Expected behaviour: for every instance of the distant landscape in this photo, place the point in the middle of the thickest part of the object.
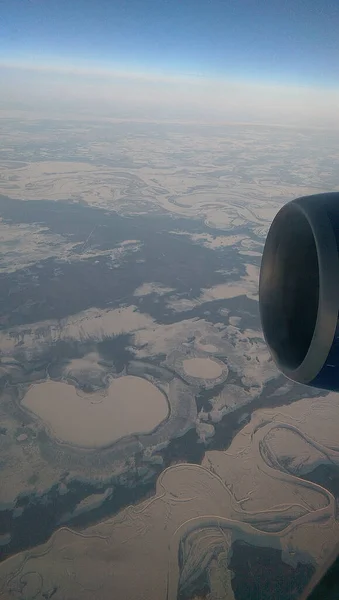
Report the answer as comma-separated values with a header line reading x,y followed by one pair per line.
x,y
143,424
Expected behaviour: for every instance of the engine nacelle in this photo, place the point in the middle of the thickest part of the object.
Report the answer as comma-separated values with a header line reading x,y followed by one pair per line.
x,y
299,290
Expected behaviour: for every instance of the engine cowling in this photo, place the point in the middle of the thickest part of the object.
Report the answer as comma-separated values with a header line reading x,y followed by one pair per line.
x,y
299,290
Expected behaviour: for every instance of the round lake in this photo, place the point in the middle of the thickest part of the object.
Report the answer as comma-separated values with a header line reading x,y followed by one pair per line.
x,y
130,405
205,368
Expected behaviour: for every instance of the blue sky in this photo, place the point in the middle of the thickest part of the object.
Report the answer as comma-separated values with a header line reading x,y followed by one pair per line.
x,y
271,41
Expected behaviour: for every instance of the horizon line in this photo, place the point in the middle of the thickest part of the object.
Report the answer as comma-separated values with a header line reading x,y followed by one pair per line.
x,y
154,76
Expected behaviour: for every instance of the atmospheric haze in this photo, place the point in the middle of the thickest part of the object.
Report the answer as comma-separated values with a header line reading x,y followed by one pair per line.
x,y
79,91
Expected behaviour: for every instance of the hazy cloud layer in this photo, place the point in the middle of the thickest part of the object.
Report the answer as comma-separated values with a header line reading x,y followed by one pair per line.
x,y
105,93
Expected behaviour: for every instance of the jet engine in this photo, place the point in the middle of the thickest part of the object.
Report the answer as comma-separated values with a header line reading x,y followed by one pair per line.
x,y
299,290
